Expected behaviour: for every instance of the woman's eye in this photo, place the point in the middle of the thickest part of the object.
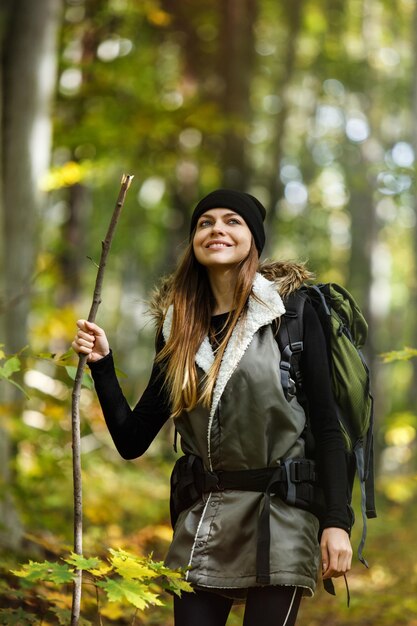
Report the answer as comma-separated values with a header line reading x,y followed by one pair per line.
x,y
208,222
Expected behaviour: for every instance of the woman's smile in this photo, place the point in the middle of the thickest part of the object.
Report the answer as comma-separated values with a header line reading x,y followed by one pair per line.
x,y
216,245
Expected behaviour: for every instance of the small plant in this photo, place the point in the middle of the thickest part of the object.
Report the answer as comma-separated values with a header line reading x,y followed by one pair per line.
x,y
122,578
405,354
10,364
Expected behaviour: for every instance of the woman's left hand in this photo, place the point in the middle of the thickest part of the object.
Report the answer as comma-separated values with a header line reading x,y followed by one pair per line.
x,y
336,552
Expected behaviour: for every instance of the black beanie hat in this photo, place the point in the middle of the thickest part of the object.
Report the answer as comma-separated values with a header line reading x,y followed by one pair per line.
x,y
252,211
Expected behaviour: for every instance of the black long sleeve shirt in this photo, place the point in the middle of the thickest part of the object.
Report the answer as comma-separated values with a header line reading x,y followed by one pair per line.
x,y
133,430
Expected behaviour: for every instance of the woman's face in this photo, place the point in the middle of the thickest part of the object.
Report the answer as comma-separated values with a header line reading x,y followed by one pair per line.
x,y
221,239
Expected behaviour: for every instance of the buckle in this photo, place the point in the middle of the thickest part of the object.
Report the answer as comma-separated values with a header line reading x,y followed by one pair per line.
x,y
302,471
212,481
295,472
297,346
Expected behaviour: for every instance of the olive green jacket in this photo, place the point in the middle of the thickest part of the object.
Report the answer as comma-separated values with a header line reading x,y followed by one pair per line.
x,y
249,425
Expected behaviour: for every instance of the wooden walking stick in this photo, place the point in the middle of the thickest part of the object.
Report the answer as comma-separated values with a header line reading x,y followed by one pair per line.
x,y
75,409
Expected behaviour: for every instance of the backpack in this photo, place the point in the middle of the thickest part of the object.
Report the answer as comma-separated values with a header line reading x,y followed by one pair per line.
x,y
345,330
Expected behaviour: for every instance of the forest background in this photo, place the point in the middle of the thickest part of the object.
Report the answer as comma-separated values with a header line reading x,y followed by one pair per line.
x,y
311,105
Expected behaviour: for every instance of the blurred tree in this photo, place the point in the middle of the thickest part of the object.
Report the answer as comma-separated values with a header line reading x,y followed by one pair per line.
x,y
28,60
237,59
413,285
292,14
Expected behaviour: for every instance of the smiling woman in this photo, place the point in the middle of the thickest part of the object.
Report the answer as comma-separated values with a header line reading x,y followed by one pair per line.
x,y
237,527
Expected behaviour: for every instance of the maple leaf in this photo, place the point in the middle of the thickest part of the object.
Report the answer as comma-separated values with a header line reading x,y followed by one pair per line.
x,y
46,571
134,592
130,566
81,562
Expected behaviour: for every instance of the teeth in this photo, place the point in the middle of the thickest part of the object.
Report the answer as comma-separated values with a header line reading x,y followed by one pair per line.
x,y
218,245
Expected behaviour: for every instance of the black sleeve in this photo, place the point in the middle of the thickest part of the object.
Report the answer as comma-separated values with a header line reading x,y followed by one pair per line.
x,y
132,430
329,447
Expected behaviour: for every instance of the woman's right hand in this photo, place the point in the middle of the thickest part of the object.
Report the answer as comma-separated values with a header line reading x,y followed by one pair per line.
x,y
91,340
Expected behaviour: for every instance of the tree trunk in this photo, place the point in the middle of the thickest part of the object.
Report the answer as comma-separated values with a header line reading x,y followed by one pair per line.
x,y
236,63
365,234
10,526
28,69
413,288
223,76
275,187
72,256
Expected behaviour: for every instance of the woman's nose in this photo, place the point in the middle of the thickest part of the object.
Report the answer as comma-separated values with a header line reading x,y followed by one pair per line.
x,y
218,227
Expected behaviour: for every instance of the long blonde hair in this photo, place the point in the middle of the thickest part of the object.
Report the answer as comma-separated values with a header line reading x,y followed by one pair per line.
x,y
193,303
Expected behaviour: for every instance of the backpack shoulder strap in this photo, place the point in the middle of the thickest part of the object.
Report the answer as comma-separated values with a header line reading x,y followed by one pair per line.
x,y
290,343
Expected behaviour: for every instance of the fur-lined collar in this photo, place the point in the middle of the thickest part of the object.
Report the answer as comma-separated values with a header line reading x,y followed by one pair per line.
x,y
286,275
264,306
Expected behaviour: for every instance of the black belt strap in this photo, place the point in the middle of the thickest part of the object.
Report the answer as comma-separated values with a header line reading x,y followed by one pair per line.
x,y
242,480
264,532
291,481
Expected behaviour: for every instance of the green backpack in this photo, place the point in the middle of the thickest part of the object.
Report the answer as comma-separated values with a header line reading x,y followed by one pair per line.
x,y
345,330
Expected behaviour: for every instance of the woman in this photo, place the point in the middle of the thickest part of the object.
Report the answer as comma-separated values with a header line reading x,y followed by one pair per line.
x,y
216,373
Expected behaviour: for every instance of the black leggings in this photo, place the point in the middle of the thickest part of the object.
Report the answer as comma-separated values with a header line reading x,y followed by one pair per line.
x,y
265,606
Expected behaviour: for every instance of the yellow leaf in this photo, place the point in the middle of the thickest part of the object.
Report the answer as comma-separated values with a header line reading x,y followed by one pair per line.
x,y
130,568
100,571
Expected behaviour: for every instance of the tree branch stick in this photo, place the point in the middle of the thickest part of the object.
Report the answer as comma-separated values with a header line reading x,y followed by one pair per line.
x,y
75,409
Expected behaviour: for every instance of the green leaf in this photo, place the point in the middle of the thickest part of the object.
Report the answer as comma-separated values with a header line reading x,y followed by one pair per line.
x,y
11,366
177,585
17,617
46,571
399,355
136,593
86,381
81,562
69,354
71,371
46,356
173,580
162,570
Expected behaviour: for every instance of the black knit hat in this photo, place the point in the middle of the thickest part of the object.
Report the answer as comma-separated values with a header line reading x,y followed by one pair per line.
x,y
252,211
